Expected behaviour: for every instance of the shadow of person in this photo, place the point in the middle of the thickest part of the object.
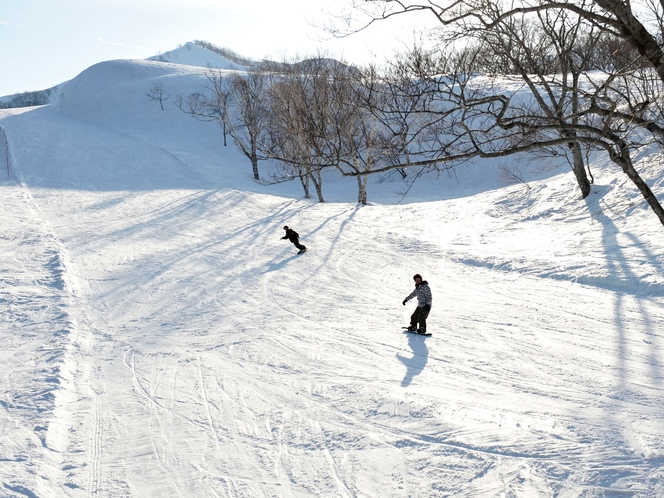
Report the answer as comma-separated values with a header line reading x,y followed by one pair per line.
x,y
416,363
279,265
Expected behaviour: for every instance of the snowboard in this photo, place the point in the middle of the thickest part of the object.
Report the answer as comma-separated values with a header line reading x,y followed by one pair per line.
x,y
428,334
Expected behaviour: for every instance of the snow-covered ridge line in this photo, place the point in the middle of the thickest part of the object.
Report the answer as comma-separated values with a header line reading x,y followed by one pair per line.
x,y
193,54
190,54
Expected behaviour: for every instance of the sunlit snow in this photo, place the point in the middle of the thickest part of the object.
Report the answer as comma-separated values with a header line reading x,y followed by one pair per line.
x,y
161,340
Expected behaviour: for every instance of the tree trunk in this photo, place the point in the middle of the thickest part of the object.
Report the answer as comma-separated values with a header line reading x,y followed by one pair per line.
x,y
625,162
318,184
636,33
254,165
304,179
578,164
579,168
362,189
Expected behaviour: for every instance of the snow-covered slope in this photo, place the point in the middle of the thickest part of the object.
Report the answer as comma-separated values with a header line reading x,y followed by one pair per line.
x,y
161,340
191,54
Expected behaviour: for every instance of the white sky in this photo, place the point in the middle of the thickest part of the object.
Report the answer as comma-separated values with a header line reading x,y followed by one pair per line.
x,y
46,42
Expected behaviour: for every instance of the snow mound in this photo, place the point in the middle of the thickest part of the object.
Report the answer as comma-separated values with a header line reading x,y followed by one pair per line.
x,y
115,93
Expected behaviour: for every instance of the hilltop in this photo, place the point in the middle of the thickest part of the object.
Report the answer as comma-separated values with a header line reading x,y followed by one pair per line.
x,y
198,54
203,54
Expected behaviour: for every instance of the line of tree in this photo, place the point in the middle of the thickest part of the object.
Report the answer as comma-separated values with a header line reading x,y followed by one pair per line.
x,y
544,80
315,115
226,53
592,72
29,99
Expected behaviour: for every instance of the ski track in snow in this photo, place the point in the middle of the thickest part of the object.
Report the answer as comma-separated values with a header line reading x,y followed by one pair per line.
x,y
161,340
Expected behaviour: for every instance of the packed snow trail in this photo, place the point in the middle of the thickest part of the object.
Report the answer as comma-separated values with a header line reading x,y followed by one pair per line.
x,y
203,357
39,329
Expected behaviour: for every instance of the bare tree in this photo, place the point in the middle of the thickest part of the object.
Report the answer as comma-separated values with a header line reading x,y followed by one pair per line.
x,y
217,105
248,118
545,54
496,122
512,174
157,93
405,101
567,94
300,115
211,105
639,23
360,141
238,103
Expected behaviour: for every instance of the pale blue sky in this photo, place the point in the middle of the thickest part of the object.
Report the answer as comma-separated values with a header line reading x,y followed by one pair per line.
x,y
46,42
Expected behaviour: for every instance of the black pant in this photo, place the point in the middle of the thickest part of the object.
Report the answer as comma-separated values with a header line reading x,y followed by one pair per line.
x,y
297,244
419,316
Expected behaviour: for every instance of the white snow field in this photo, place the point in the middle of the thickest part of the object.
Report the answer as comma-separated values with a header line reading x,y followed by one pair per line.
x,y
160,340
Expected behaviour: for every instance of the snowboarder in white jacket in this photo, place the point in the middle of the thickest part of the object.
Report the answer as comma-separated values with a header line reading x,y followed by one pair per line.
x,y
424,299
294,237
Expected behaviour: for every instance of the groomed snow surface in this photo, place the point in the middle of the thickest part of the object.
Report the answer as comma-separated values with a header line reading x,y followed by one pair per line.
x,y
160,340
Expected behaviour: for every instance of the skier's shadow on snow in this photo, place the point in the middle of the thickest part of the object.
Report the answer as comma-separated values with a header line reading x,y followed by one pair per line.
x,y
418,361
279,265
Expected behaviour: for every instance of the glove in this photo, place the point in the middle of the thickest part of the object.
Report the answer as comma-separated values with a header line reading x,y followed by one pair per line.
x,y
404,302
427,307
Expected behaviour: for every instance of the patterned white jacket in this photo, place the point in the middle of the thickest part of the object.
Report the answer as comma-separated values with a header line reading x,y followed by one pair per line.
x,y
423,293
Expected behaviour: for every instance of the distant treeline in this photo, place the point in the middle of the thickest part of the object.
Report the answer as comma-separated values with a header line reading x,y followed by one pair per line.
x,y
226,52
28,99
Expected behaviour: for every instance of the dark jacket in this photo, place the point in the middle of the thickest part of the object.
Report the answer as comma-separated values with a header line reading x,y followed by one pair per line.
x,y
291,235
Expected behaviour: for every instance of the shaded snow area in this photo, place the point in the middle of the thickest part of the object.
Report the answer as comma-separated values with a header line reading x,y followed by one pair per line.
x,y
161,340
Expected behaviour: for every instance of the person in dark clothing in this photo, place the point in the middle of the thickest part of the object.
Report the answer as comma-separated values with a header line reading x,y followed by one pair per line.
x,y
294,237
424,299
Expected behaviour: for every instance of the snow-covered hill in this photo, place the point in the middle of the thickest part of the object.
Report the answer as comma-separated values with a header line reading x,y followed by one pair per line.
x,y
192,54
161,340
189,54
